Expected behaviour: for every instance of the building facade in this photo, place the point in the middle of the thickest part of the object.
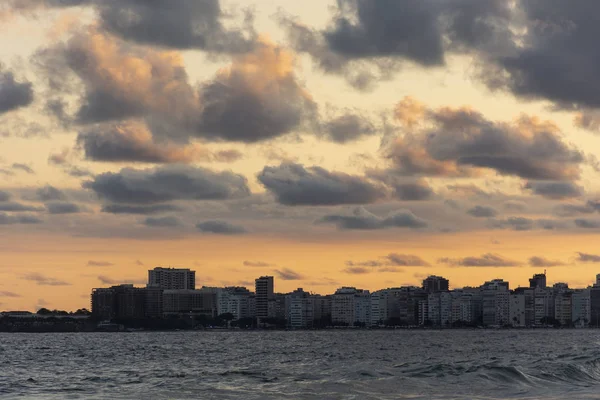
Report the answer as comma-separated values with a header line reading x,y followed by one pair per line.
x,y
172,278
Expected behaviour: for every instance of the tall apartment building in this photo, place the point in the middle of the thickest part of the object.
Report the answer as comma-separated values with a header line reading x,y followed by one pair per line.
x,y
235,301
172,278
119,302
300,309
495,303
350,305
434,284
538,281
264,294
580,307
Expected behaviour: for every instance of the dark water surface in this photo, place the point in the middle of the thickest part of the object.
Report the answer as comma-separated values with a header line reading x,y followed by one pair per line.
x,y
302,365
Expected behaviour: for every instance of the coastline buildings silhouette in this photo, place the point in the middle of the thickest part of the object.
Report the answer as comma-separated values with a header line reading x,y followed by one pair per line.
x,y
492,304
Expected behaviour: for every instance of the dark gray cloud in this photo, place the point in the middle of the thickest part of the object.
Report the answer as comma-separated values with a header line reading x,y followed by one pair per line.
x,y
587,223
525,224
163,222
139,210
23,167
131,143
555,57
50,193
348,127
486,260
542,262
183,24
392,259
62,208
515,205
257,264
257,98
13,94
287,274
586,257
367,35
459,142
404,188
555,190
568,210
7,219
17,207
220,228
293,185
44,280
163,184
365,220
5,196
93,263
482,212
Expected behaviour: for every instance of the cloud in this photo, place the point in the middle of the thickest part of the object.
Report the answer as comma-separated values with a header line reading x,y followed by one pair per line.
x,y
220,228
162,184
482,212
366,36
9,294
256,98
553,57
62,208
544,262
257,264
44,280
6,219
23,167
462,142
515,205
139,210
111,281
120,81
13,94
162,222
392,259
347,128
568,210
49,193
17,207
404,189
486,260
587,223
184,24
5,196
133,142
357,270
365,220
93,263
294,185
555,190
586,257
288,275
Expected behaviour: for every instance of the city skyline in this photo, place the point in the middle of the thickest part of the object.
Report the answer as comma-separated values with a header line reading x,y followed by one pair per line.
x,y
314,141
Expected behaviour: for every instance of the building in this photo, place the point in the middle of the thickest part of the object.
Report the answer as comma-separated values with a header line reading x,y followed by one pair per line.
x,y
264,294
563,308
434,284
235,301
119,302
300,313
350,306
544,305
197,302
595,306
495,303
172,278
466,307
154,302
580,307
538,281
517,310
321,310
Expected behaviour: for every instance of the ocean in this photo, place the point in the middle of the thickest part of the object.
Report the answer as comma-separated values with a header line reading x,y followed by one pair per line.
x,y
401,364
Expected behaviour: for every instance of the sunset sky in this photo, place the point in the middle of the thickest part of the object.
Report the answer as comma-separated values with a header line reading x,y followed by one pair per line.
x,y
364,143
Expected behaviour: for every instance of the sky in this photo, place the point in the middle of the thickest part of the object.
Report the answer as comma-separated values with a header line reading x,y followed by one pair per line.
x,y
365,143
